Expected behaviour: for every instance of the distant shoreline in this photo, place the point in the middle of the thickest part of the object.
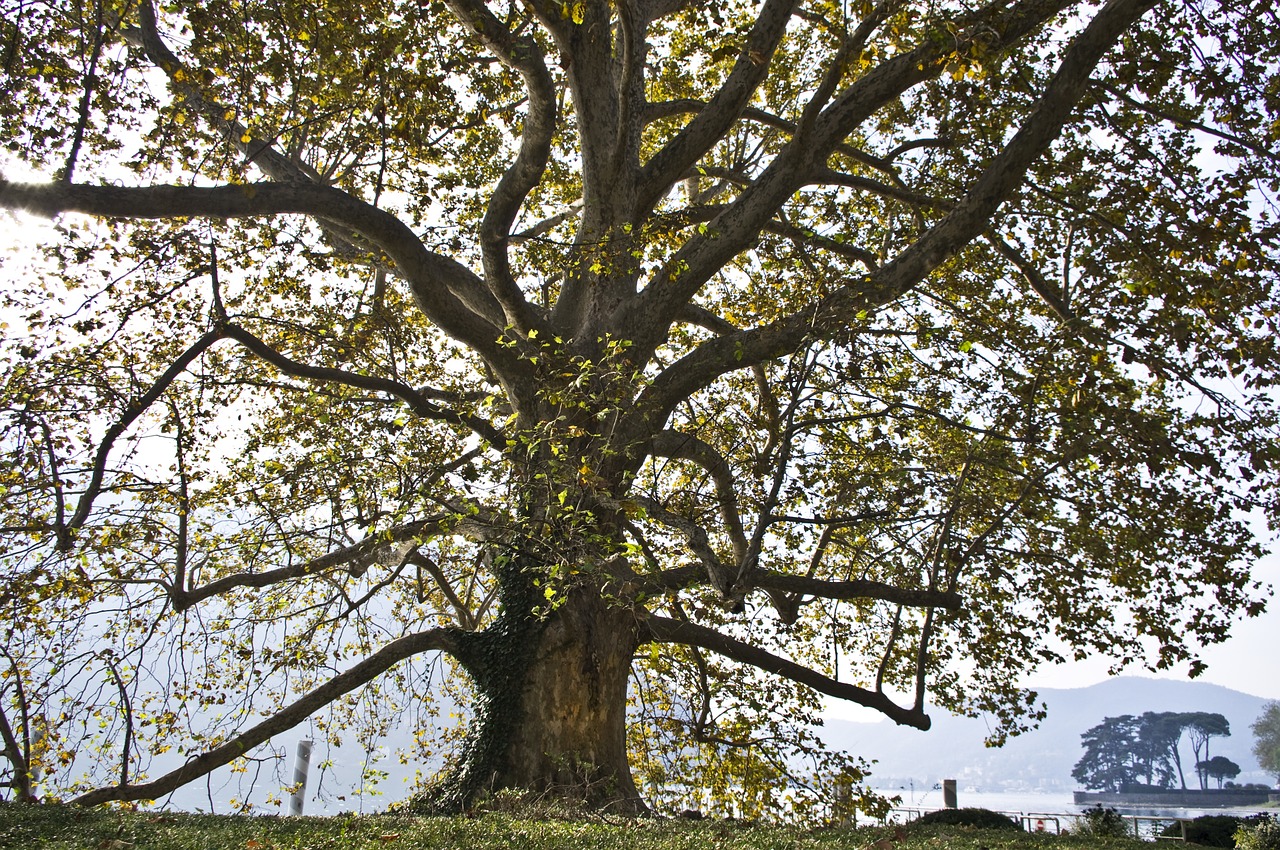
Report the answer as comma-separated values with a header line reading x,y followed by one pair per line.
x,y
1227,798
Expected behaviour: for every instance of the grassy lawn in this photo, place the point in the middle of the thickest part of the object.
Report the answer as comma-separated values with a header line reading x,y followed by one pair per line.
x,y
66,828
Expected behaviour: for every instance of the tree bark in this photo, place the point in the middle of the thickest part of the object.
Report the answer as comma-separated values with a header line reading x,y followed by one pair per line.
x,y
550,717
572,734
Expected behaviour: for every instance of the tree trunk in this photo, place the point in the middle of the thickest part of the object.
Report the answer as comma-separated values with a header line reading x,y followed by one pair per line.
x,y
551,712
571,735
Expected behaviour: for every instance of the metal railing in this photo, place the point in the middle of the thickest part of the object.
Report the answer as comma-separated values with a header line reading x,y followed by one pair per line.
x,y
1144,826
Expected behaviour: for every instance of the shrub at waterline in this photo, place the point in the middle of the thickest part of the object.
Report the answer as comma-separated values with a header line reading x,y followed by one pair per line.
x,y
1212,830
1102,823
981,818
1261,833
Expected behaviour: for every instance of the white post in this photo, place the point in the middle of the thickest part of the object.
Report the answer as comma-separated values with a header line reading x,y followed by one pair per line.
x,y
300,769
37,747
33,768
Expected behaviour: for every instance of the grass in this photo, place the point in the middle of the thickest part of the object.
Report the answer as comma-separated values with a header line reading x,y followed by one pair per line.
x,y
52,827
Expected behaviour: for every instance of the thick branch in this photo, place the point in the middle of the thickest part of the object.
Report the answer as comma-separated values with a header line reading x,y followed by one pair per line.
x,y
20,770
969,217
801,236
997,25
547,224
524,56
445,290
1163,115
830,177
135,409
702,256
674,444
593,52
708,212
417,402
252,146
419,559
259,151
664,630
768,404
709,126
655,9
682,106
445,640
1086,329
826,589
721,577
355,559
850,48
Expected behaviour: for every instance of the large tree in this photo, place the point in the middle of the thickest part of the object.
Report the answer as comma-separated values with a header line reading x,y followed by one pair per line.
x,y
1219,768
1129,751
1111,760
1266,738
1201,726
702,358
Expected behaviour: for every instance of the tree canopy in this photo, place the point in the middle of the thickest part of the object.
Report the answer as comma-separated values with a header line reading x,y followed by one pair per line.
x,y
1219,768
1111,757
1200,727
630,374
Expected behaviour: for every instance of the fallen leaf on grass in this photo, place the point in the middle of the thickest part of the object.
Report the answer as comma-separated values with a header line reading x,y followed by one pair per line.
x,y
390,836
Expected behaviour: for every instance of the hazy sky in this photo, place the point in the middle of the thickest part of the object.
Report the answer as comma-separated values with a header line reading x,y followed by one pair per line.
x,y
1249,661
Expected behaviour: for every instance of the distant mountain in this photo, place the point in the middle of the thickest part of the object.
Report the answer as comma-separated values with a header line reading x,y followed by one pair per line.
x,y
1042,760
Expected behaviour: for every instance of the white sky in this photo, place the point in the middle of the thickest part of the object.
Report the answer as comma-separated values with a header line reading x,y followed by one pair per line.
x,y
1249,661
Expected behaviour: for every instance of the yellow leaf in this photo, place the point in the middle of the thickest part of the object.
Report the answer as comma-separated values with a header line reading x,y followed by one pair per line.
x,y
246,138
579,11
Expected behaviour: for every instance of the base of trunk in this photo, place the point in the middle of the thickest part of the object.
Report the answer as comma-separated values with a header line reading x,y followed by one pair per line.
x,y
550,721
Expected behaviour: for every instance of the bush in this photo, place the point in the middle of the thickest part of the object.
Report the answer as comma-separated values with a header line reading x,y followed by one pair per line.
x,y
1102,823
981,818
1261,833
1210,830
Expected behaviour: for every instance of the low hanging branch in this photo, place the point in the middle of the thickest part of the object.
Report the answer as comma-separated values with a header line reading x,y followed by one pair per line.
x,y
665,630
445,640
